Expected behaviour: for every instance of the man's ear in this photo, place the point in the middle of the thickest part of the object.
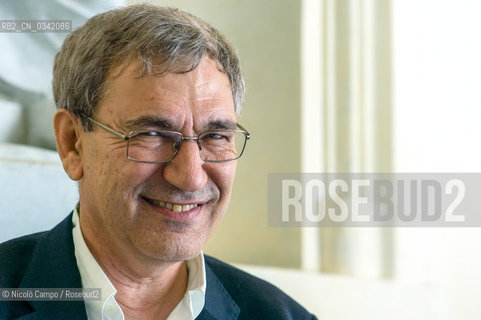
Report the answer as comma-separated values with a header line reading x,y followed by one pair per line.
x,y
67,129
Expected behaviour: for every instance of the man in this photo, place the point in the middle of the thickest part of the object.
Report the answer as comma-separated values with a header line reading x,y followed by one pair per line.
x,y
148,100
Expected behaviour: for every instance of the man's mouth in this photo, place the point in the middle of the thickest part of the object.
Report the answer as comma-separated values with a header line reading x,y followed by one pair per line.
x,y
172,206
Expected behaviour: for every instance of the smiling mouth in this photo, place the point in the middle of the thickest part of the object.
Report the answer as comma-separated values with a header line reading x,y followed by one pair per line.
x,y
172,206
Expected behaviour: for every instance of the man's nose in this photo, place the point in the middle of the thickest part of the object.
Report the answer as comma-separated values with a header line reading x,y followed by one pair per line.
x,y
186,170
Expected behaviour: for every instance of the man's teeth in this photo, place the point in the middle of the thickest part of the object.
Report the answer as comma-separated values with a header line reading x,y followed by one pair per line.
x,y
176,207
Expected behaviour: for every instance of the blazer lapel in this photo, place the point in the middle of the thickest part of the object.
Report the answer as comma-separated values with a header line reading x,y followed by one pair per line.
x,y
219,305
53,265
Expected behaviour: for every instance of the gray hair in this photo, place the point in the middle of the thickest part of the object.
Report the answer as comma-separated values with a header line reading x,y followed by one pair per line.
x,y
162,39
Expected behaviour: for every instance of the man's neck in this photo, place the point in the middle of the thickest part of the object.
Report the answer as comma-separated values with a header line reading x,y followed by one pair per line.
x,y
145,289
150,298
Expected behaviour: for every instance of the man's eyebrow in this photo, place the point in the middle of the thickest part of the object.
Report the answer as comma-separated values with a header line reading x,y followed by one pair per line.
x,y
154,122
147,122
221,125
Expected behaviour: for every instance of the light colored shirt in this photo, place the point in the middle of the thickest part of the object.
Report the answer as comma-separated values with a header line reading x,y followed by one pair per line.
x,y
107,307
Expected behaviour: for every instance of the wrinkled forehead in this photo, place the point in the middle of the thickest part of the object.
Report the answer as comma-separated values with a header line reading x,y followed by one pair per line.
x,y
203,94
135,68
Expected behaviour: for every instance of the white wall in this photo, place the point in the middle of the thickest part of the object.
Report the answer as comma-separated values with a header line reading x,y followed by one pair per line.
x,y
437,98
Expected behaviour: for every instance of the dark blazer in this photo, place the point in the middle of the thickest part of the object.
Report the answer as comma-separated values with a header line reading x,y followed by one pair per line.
x,y
47,260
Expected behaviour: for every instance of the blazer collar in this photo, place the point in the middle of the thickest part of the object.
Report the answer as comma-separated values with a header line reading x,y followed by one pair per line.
x,y
53,265
219,305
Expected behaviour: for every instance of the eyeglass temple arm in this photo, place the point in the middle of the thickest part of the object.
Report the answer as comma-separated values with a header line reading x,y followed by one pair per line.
x,y
118,134
248,136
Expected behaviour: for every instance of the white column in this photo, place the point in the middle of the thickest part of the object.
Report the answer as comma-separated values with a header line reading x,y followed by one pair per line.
x,y
311,117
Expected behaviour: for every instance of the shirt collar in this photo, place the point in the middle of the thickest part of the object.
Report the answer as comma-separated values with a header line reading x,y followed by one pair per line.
x,y
93,276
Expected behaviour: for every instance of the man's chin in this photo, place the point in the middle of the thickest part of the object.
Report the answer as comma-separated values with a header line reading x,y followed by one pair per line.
x,y
175,248
174,257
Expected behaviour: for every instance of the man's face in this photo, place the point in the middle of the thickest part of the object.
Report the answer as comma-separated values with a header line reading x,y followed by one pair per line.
x,y
131,206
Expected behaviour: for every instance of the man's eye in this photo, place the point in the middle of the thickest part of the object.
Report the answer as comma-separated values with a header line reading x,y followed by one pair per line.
x,y
161,134
150,133
215,136
157,137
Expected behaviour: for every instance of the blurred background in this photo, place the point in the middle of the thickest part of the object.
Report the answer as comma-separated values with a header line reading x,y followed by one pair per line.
x,y
332,86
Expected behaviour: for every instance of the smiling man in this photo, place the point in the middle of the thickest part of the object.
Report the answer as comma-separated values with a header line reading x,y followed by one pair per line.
x,y
148,100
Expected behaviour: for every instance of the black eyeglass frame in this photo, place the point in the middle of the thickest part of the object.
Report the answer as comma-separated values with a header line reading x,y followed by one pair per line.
x,y
178,144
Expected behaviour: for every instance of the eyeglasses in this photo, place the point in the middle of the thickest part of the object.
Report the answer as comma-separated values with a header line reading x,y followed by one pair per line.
x,y
161,146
